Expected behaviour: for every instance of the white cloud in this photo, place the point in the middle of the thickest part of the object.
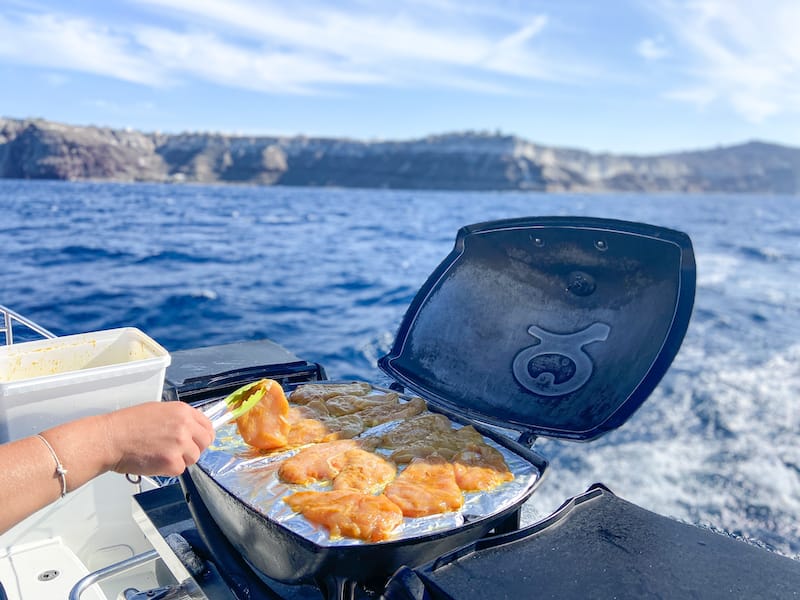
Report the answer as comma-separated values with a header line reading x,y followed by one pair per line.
x,y
412,42
206,56
305,48
359,35
511,55
652,48
745,54
57,42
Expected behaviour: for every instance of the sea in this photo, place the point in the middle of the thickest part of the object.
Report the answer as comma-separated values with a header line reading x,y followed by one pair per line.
x,y
329,273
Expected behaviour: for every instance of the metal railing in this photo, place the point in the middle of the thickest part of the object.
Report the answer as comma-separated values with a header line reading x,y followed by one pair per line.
x,y
9,317
105,573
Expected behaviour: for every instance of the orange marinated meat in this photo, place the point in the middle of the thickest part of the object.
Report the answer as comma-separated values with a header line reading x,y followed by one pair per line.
x,y
266,425
312,410
350,403
298,414
415,428
345,513
426,487
322,391
320,462
305,428
364,472
390,411
309,431
344,427
443,443
480,468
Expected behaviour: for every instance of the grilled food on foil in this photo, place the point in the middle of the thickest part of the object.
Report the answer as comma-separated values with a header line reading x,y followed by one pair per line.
x,y
479,467
416,464
364,471
322,391
346,513
426,487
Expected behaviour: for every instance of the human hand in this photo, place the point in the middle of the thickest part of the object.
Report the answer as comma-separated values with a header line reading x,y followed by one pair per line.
x,y
157,438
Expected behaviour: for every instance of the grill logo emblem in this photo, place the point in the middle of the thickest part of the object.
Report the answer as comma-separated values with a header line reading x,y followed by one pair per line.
x,y
558,365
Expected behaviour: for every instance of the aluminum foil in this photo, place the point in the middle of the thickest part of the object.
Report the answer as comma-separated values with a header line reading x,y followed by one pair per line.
x,y
252,476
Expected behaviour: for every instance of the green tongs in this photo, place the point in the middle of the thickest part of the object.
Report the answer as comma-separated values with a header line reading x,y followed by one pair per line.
x,y
236,404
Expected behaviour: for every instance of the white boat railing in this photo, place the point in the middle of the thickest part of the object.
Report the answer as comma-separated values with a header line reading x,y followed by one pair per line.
x,y
9,317
111,571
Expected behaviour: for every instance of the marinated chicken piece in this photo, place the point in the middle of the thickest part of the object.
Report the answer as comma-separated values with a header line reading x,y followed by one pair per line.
x,y
349,404
443,443
312,423
415,429
344,427
375,415
426,487
420,449
468,434
266,425
480,467
315,408
322,391
309,431
307,425
321,462
345,513
364,472
312,410
298,413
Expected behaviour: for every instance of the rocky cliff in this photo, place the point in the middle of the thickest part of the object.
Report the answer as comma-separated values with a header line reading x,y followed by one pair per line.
x,y
38,149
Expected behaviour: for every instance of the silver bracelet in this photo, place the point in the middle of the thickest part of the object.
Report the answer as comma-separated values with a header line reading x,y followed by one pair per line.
x,y
62,472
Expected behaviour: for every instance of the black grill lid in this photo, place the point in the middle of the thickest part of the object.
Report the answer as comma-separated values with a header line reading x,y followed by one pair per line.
x,y
557,326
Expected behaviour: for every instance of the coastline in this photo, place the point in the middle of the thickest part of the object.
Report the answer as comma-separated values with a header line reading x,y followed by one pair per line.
x,y
468,161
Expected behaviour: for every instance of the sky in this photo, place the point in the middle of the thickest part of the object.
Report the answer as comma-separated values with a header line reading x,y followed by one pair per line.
x,y
624,76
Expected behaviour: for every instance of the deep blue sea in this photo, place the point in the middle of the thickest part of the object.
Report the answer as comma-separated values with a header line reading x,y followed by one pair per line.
x,y
329,273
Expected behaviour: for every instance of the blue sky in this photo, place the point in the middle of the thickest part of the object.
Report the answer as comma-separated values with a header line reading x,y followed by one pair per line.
x,y
628,76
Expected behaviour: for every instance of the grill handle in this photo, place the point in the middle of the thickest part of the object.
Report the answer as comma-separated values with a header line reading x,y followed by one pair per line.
x,y
335,587
102,574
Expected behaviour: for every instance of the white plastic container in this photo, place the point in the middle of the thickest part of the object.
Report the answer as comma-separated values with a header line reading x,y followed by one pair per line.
x,y
51,381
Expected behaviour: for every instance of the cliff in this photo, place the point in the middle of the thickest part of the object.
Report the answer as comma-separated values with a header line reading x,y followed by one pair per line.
x,y
38,149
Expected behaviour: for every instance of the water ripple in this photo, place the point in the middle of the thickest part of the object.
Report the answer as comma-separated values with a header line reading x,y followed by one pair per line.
x,y
329,274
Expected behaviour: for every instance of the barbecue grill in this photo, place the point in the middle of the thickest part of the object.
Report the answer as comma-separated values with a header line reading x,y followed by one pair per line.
x,y
550,326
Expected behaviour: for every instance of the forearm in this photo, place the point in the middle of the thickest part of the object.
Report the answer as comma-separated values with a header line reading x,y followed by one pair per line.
x,y
154,438
29,481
